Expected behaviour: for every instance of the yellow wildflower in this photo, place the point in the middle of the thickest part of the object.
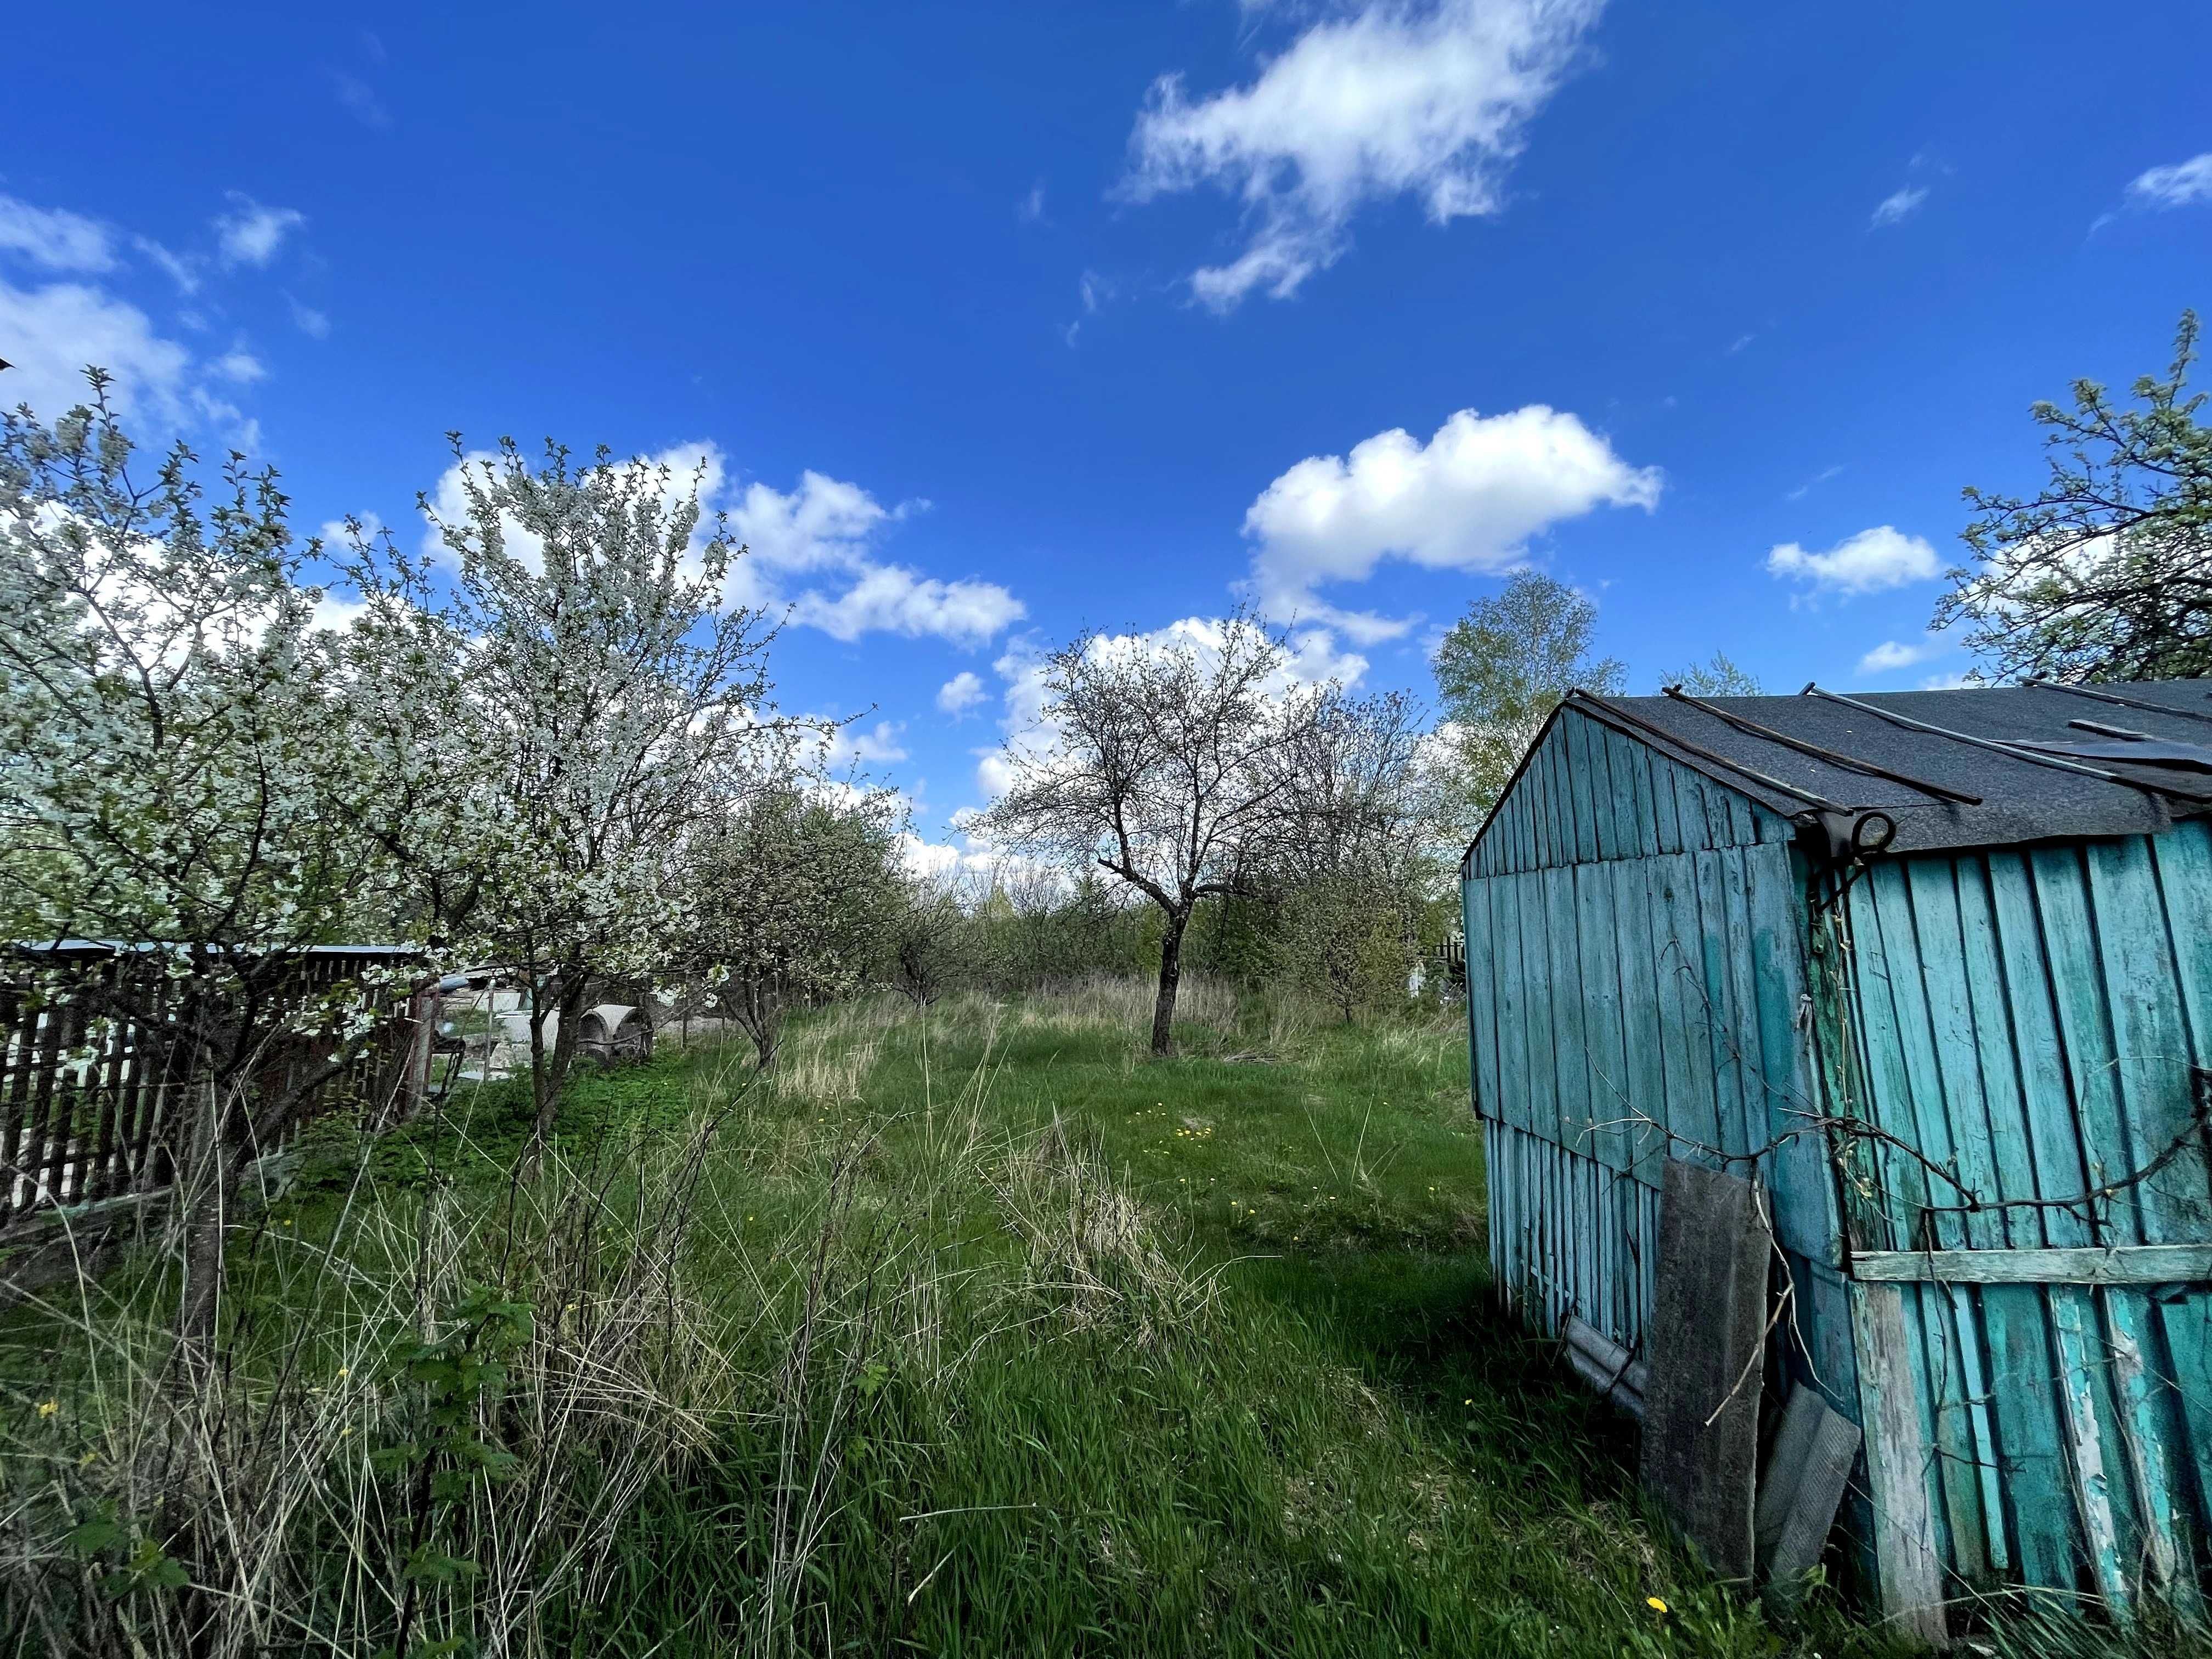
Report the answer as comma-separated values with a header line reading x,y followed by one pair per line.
x,y
1655,1604
48,1407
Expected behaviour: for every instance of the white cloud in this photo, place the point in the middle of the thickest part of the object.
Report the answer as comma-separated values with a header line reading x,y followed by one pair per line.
x,y
823,522
1813,484
960,693
1865,564
1030,210
309,321
2178,186
184,269
1898,206
1893,654
54,237
251,234
824,529
1395,99
52,333
1470,499
360,100
892,599
853,746
239,366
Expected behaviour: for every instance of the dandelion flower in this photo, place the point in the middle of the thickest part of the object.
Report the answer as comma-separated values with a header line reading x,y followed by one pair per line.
x,y
48,1407
1655,1604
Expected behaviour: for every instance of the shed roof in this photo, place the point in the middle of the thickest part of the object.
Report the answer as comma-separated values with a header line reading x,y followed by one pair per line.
x,y
2040,761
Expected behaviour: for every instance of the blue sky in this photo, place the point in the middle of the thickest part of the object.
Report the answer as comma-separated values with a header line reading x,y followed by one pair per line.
x,y
1006,321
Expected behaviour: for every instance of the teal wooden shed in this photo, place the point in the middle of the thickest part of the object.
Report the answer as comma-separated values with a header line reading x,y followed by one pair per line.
x,y
1935,969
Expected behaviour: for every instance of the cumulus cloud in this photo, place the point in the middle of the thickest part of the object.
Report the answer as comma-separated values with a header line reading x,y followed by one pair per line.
x,y
314,323
823,522
853,746
892,599
2179,184
823,532
251,234
963,692
1893,654
1868,563
54,239
1427,101
54,333
1472,498
1898,206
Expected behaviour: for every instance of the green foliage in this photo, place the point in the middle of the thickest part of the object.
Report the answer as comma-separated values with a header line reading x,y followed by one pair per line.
x,y
1501,670
1007,1344
1716,677
2106,574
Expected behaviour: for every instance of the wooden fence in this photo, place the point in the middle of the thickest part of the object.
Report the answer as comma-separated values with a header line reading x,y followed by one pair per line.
x,y
95,1082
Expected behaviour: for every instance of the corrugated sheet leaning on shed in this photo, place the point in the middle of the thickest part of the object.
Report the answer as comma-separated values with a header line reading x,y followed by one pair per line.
x,y
1936,967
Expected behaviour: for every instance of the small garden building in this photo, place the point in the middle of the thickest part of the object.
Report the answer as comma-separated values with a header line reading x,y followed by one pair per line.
x,y
1935,969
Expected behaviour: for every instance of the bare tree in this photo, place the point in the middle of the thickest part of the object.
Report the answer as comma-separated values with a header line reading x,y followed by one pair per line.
x,y
1168,760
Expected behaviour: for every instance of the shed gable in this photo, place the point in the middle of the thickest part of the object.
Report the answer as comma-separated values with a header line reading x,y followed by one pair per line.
x,y
1589,794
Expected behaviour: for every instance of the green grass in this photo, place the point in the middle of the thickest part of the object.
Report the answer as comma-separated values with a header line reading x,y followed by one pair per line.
x,y
979,1333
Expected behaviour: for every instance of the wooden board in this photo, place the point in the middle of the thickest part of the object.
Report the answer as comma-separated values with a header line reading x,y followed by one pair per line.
x,y
1706,1339
1898,1451
2119,1264
1803,1489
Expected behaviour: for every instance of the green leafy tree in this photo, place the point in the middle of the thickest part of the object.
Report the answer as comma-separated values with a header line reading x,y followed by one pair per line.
x,y
1719,677
790,895
2106,574
1501,670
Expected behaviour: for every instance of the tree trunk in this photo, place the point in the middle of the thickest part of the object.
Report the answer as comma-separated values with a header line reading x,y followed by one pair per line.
x,y
549,1072
1170,977
207,1183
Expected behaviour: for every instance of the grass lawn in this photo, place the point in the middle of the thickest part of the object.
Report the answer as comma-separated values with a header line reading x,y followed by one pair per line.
x,y
979,1333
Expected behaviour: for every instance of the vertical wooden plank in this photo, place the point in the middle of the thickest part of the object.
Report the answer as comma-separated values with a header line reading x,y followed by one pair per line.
x,y
1609,797
2056,1169
2039,1507
2085,1029
1641,1023
1586,797
1512,1002
1481,995
1665,809
1896,1447
1724,919
1596,888
1685,1043
1543,771
1537,992
1930,1000
1638,761
2074,1322
1804,1186
1569,1045
2151,1047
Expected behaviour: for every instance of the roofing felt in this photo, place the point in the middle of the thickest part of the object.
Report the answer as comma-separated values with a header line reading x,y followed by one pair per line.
x,y
2018,797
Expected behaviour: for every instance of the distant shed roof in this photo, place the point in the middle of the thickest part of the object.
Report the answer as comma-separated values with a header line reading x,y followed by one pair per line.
x,y
2151,742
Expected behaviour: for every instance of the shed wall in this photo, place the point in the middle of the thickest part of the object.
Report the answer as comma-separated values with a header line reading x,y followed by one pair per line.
x,y
2021,1026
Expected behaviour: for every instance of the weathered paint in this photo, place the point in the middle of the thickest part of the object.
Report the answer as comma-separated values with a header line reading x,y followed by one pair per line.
x,y
1656,971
